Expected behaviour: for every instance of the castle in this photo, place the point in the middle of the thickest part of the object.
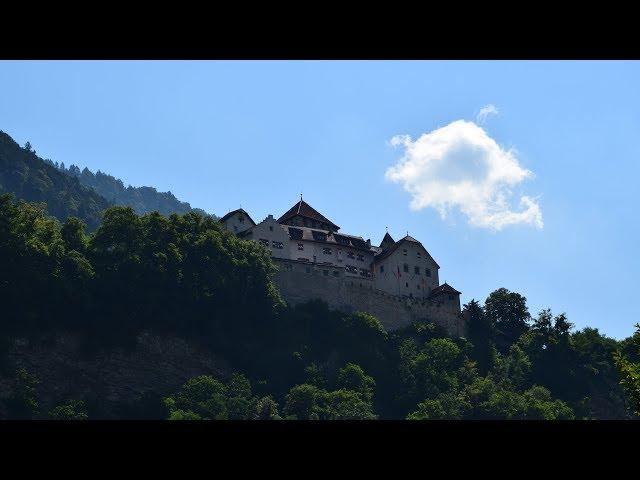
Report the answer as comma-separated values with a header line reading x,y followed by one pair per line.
x,y
397,282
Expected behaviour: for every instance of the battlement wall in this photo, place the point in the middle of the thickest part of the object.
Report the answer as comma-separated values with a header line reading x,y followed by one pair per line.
x,y
300,282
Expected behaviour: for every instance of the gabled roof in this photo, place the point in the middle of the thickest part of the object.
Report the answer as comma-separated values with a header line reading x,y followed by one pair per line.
x,y
444,288
387,240
327,237
239,210
385,253
303,209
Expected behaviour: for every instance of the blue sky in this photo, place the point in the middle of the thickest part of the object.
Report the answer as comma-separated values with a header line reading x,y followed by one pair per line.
x,y
224,134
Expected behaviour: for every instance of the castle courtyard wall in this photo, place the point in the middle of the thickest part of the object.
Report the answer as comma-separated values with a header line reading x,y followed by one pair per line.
x,y
300,282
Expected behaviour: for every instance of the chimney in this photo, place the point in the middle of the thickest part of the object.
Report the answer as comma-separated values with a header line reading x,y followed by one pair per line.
x,y
369,242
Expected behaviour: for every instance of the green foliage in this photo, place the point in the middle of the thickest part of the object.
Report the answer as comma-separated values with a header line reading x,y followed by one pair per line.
x,y
201,397
481,333
507,312
308,402
630,374
30,178
352,377
205,398
141,199
186,275
70,410
22,403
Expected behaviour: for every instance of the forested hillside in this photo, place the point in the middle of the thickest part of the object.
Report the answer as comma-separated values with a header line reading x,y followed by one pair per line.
x,y
186,276
30,178
142,199
72,192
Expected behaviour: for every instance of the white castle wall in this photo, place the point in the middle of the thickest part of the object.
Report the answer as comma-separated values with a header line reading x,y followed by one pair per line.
x,y
300,282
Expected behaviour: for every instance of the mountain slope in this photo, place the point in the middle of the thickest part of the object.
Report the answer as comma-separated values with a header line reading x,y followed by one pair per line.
x,y
74,192
30,178
142,199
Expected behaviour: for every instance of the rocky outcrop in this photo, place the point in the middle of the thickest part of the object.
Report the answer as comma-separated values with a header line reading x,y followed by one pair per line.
x,y
114,383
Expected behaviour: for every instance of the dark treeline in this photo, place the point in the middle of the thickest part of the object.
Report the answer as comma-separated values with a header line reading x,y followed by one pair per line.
x,y
186,275
30,178
71,192
142,199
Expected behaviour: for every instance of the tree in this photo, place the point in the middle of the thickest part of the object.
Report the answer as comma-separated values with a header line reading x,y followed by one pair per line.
x,y
73,235
240,402
266,409
630,375
446,406
481,333
345,405
201,397
509,313
70,410
302,402
22,402
352,377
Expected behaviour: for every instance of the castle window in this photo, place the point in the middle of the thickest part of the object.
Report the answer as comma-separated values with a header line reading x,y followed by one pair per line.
x,y
319,236
350,255
406,268
264,242
381,268
327,251
406,284
427,271
301,246
271,228
450,297
404,252
419,255
278,245
416,270
360,258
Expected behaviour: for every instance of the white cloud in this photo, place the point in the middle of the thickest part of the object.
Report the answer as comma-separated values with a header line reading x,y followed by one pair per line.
x,y
461,166
485,112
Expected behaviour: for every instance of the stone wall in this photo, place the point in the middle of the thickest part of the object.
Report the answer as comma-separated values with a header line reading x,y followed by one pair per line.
x,y
113,379
300,282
